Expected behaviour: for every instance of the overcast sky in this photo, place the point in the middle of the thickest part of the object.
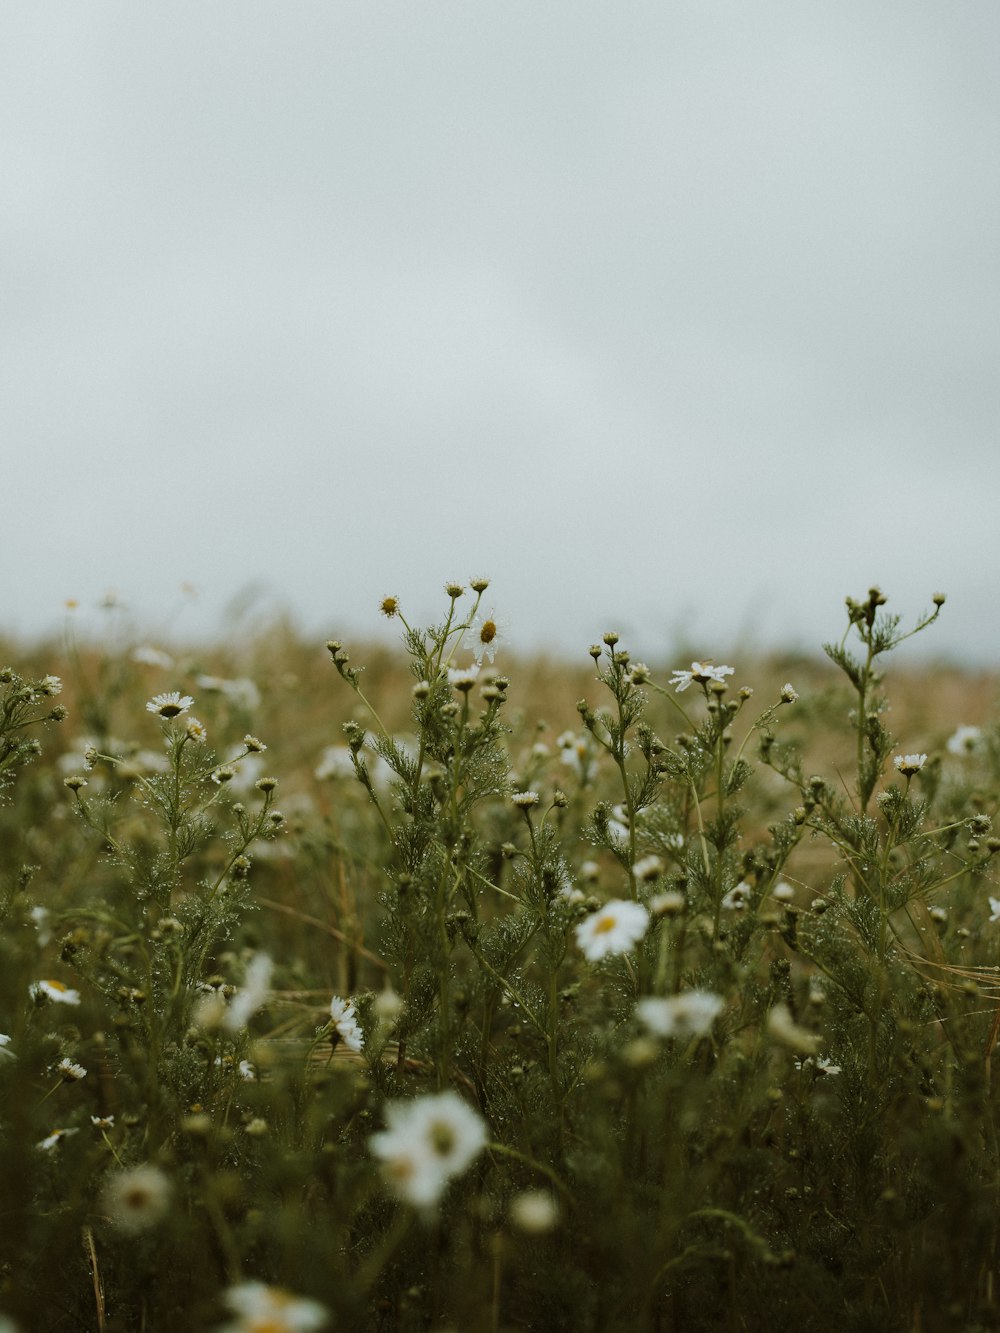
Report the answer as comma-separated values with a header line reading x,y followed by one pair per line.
x,y
677,318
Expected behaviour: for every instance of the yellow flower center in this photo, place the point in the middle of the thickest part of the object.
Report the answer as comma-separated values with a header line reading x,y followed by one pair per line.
x,y
605,924
488,632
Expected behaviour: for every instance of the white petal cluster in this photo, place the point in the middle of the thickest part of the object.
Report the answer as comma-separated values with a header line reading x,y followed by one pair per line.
x,y
908,764
55,991
136,1199
702,673
427,1143
616,928
965,740
345,1022
259,1307
689,1014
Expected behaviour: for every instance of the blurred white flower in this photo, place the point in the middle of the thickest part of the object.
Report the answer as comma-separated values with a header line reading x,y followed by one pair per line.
x,y
689,1014
263,1309
146,655
737,897
615,928
964,740
335,762
252,994
426,1144
136,1199
53,1140
534,1212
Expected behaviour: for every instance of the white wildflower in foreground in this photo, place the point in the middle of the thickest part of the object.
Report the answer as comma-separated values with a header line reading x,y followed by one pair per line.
x,y
136,1199
701,673
994,909
908,764
689,1014
54,990
345,1024
965,740
254,992
616,928
169,705
263,1309
426,1144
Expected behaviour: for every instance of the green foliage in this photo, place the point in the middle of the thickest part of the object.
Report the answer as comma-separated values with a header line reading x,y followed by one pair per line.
x,y
684,1061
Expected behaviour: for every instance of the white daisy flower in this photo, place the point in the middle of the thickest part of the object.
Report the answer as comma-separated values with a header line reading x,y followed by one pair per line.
x,y
965,740
55,991
701,673
69,1071
345,1023
487,636
426,1144
463,678
648,867
263,1309
689,1014
737,897
169,705
994,909
616,928
908,764
137,1199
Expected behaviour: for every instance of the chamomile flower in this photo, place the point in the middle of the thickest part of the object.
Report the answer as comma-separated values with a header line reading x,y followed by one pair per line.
x,y
616,928
488,635
737,897
908,764
55,991
648,867
263,1309
463,678
689,1014
345,1023
69,1071
701,673
965,740
137,1199
169,705
427,1143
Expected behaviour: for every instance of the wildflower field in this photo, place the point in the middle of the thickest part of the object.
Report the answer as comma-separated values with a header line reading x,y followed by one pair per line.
x,y
434,989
